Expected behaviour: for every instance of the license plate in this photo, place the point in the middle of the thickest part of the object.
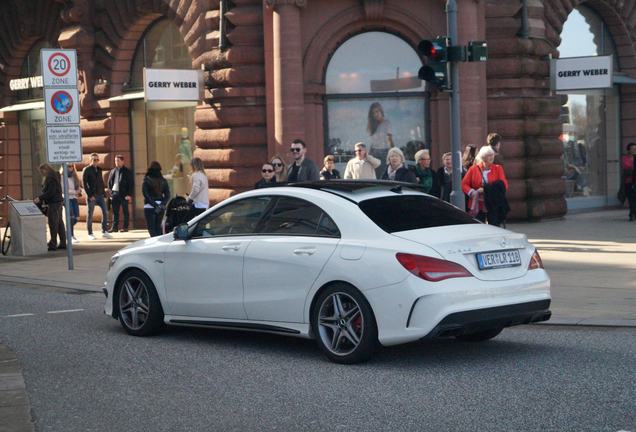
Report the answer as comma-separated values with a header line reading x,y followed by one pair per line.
x,y
499,259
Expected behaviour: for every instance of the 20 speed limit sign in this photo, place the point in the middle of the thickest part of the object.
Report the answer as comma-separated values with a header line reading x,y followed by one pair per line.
x,y
59,68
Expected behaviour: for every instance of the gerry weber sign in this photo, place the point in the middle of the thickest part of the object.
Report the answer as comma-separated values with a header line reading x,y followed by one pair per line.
x,y
581,73
173,85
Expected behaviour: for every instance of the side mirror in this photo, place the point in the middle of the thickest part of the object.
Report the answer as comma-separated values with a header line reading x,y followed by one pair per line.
x,y
181,232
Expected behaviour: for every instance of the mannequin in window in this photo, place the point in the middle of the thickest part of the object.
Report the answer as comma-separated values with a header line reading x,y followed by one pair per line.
x,y
185,147
179,179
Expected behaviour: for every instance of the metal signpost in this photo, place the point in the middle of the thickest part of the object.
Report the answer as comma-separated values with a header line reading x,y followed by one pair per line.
x,y
457,195
62,114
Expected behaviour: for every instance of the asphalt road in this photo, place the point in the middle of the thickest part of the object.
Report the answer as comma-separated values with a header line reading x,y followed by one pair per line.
x,y
83,373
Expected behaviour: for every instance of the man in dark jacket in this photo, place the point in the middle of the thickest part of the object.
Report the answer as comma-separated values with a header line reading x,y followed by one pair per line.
x,y
94,186
302,169
120,187
52,196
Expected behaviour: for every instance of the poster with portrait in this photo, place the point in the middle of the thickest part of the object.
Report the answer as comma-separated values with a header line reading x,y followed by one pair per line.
x,y
379,123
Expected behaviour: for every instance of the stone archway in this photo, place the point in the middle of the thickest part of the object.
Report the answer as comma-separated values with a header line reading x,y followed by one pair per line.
x,y
620,19
520,106
231,132
333,33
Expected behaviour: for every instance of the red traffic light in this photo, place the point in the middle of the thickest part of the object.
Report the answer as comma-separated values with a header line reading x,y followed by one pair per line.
x,y
435,50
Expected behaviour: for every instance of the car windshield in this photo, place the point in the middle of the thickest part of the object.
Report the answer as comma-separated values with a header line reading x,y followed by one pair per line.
x,y
410,212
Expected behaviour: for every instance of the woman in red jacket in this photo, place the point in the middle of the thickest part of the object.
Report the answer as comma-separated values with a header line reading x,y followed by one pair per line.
x,y
483,173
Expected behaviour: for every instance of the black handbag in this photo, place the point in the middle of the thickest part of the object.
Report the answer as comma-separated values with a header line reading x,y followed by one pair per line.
x,y
44,208
621,194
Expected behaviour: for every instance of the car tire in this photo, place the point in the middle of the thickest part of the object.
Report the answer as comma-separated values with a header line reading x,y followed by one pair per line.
x,y
480,336
344,325
138,306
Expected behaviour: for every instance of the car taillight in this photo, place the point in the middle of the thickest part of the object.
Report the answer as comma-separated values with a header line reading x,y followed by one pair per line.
x,y
535,261
431,269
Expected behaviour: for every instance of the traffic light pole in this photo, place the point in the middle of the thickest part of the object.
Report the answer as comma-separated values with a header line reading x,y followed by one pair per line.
x,y
457,196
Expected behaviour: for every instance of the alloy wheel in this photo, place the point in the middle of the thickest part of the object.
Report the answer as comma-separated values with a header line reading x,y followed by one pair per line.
x,y
134,303
340,323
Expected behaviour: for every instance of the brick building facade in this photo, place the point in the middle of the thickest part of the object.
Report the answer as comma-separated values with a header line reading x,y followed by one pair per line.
x,y
267,63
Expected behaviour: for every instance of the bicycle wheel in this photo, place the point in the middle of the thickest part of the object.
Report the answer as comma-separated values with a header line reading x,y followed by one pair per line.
x,y
6,239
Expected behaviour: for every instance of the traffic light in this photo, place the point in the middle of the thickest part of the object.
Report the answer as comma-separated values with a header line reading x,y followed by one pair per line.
x,y
436,69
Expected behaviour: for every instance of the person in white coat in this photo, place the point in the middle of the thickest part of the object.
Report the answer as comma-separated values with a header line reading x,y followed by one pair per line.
x,y
199,192
363,165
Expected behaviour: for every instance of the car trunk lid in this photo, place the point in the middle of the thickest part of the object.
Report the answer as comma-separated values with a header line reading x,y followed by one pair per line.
x,y
467,245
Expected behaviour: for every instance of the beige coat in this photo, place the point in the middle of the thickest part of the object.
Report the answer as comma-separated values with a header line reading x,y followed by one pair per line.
x,y
362,169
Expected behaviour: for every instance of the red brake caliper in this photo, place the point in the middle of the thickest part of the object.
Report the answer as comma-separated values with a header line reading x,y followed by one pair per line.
x,y
357,322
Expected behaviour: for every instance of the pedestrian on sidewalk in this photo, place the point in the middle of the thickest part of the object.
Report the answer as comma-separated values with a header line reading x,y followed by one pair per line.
x,y
329,171
468,157
302,168
120,189
494,142
74,192
486,178
93,179
363,165
268,178
52,196
156,196
628,165
445,177
280,169
396,169
426,177
198,197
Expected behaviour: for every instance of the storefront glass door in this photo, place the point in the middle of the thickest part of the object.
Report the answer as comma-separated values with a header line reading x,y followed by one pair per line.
x,y
32,151
162,132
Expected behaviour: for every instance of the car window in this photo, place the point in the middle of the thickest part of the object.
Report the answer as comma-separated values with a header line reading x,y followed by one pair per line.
x,y
293,216
409,212
237,218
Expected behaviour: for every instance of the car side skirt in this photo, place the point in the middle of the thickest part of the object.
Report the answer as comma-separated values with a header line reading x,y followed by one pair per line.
x,y
290,329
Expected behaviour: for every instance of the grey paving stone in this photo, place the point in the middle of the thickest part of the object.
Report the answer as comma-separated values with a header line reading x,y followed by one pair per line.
x,y
15,419
11,381
13,398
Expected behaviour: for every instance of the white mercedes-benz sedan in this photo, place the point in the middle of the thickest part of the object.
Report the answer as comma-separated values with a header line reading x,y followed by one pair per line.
x,y
349,263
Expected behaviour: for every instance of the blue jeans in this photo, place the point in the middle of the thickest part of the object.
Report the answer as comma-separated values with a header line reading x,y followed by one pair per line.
x,y
153,221
99,200
74,207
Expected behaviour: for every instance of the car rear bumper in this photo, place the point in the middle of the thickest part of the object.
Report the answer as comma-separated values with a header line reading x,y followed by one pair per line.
x,y
414,308
467,322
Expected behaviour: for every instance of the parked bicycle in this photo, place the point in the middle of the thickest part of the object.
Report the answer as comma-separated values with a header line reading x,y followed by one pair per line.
x,y
5,243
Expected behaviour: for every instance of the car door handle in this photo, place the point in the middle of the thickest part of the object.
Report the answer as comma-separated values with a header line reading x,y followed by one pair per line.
x,y
305,251
233,247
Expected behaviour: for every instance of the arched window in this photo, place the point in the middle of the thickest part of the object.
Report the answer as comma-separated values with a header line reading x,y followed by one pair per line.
x,y
32,67
161,130
374,96
161,47
590,118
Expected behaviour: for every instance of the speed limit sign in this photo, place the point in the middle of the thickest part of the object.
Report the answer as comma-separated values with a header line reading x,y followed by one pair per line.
x,y
59,67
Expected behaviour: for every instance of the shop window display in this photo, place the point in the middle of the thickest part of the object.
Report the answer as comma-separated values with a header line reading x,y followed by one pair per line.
x,y
588,138
376,99
31,124
162,131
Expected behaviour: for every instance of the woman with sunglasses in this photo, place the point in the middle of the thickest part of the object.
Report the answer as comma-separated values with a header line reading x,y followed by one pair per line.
x,y
280,169
329,171
268,180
